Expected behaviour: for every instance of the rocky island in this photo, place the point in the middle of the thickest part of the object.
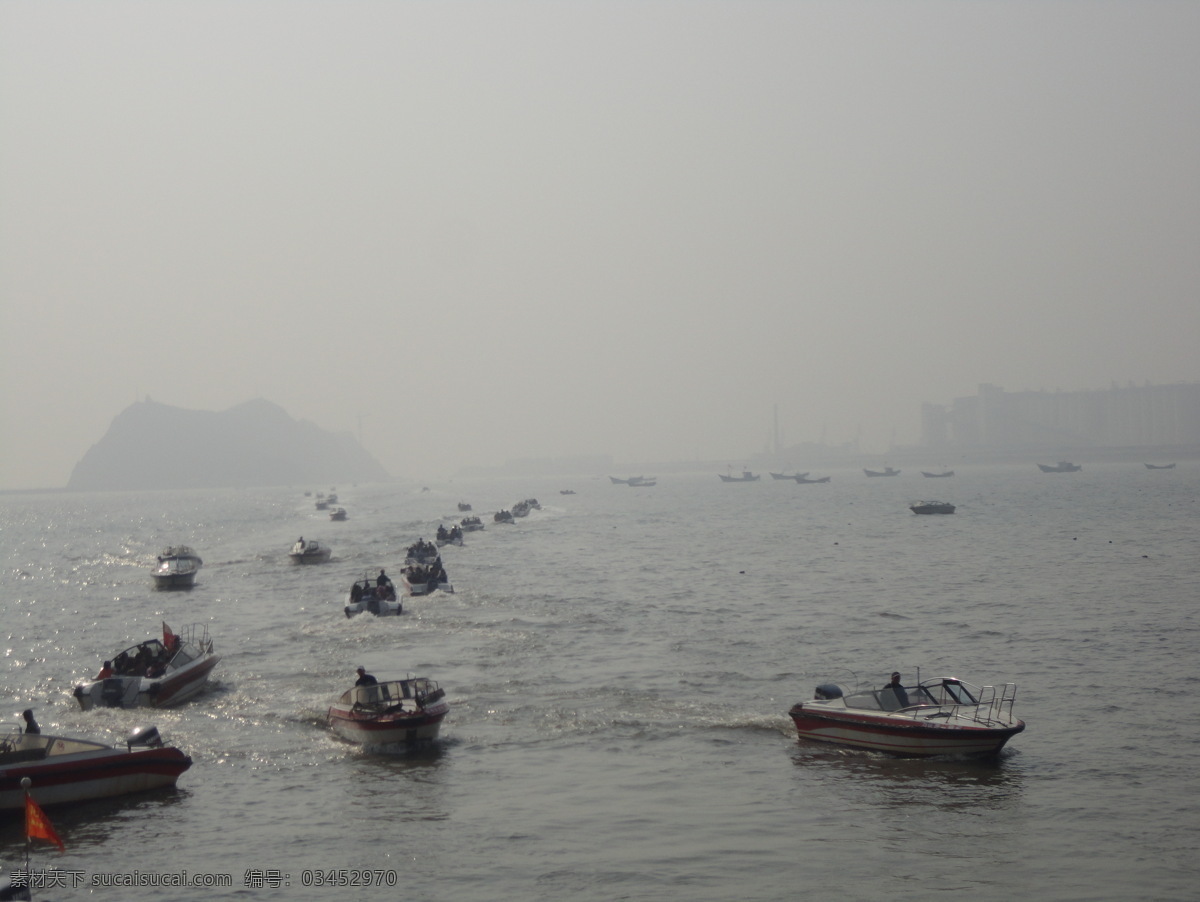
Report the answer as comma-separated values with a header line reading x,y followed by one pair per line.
x,y
156,446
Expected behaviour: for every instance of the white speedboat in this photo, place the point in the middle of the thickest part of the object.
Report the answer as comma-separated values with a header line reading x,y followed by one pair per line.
x,y
367,596
153,674
424,579
396,713
176,568
309,552
423,572
942,716
66,770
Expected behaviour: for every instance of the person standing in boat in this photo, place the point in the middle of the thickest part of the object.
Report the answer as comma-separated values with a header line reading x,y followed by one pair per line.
x,y
898,690
31,725
365,679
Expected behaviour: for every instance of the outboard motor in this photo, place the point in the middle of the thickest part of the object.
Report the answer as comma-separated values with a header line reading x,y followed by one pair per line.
x,y
828,690
112,693
145,736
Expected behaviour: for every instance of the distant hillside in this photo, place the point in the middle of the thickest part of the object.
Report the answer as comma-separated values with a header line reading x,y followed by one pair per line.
x,y
156,446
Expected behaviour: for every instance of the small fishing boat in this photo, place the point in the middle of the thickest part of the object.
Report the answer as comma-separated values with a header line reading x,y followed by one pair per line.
x,y
789,475
886,471
1160,466
395,713
306,552
176,568
941,475
471,524
153,674
746,476
337,514
804,480
942,716
463,507
64,770
1063,466
931,507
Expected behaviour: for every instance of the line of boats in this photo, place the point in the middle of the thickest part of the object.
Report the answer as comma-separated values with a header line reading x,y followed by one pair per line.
x,y
388,716
944,716
940,717
1063,466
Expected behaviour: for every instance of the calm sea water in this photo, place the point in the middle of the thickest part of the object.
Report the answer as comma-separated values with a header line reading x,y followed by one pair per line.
x,y
620,666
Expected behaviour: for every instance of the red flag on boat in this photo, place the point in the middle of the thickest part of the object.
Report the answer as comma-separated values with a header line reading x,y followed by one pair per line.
x,y
37,825
168,636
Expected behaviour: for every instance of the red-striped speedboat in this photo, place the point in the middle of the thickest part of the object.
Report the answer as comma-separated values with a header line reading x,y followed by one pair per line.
x,y
62,770
395,713
154,674
942,716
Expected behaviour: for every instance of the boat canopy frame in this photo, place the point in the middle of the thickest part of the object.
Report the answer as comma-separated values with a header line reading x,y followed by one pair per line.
x,y
942,697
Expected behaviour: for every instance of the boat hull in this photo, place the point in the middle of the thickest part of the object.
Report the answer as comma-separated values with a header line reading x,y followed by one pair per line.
x,y
174,580
402,730
99,774
903,738
395,713
416,589
174,688
304,558
378,607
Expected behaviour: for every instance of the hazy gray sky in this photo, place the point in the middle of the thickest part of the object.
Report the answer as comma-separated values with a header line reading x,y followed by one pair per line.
x,y
508,229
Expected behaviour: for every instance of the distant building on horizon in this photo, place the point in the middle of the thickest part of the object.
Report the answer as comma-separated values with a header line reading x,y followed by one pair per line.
x,y
1118,417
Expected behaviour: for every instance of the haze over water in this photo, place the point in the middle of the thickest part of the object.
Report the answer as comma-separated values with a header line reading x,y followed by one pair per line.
x,y
620,665
471,232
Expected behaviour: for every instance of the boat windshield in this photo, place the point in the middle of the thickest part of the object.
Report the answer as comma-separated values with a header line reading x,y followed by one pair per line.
x,y
946,692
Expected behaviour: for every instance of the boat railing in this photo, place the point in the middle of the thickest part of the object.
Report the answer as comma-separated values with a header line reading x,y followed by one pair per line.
x,y
993,708
194,635
999,705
